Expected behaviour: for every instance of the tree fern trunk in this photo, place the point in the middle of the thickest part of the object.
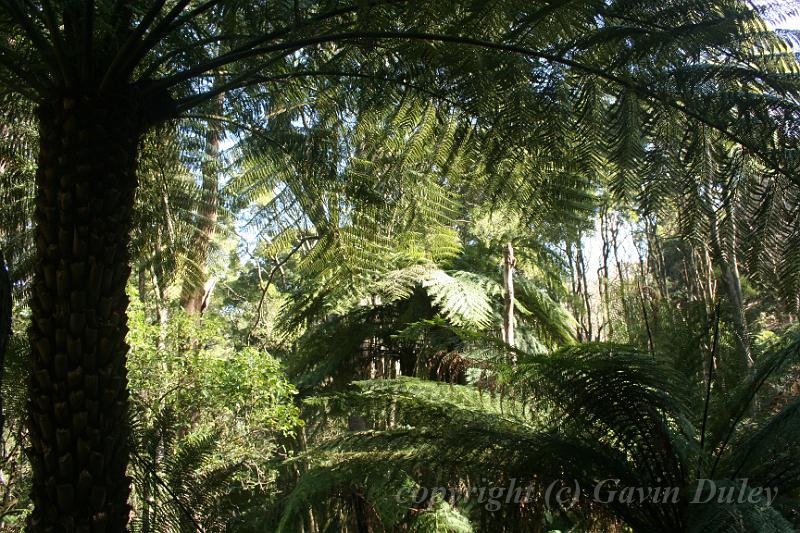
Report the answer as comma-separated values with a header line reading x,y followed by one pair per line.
x,y
78,407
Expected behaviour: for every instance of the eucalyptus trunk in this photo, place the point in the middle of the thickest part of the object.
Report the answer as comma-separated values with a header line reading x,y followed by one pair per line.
x,y
733,283
78,398
509,262
196,290
724,250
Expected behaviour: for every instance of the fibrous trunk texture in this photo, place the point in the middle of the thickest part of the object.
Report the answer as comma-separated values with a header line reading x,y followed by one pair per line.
x,y
78,411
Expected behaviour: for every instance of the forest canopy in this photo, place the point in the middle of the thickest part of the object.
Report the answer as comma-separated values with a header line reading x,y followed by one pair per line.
x,y
399,265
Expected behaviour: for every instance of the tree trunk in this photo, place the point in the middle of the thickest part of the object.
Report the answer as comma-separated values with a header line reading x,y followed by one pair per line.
x,y
734,284
614,230
733,287
726,257
5,332
603,279
78,397
363,524
196,290
508,282
645,315
162,309
580,261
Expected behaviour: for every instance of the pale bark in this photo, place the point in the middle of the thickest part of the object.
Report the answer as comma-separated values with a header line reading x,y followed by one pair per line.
x,y
603,273
509,264
725,254
196,292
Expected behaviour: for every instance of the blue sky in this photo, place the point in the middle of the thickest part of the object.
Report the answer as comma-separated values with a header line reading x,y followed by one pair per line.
x,y
792,22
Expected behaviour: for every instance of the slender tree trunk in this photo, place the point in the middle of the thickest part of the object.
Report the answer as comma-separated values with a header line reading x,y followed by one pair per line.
x,y
574,281
614,230
162,309
196,290
6,305
78,397
655,256
702,270
710,280
643,301
141,284
300,469
162,315
580,261
734,289
508,281
692,291
734,284
726,256
579,309
603,280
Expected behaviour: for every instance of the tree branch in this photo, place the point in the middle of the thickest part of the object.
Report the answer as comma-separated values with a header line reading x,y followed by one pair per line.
x,y
272,273
188,103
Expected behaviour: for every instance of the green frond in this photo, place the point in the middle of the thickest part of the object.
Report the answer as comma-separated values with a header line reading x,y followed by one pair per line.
x,y
442,518
733,407
463,297
602,411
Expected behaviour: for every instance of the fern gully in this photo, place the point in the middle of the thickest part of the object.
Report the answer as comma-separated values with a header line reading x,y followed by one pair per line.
x,y
103,72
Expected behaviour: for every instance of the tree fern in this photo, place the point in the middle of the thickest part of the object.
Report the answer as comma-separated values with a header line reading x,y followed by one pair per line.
x,y
179,483
601,412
